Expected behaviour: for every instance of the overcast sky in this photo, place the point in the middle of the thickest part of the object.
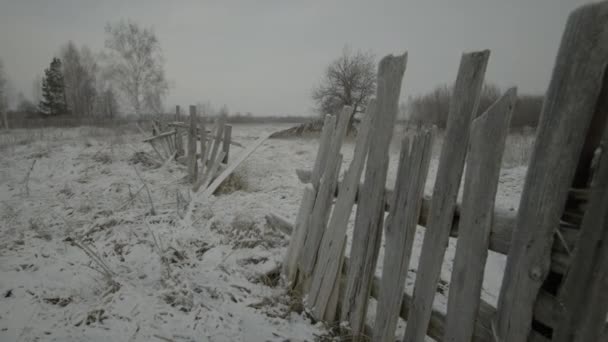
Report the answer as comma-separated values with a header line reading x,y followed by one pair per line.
x,y
265,56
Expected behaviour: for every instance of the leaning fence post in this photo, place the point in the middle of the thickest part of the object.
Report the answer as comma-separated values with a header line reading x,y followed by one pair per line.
x,y
488,136
370,211
226,144
463,107
570,104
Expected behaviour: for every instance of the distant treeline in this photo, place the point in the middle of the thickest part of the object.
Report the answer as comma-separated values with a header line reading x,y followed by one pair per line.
x,y
432,108
32,119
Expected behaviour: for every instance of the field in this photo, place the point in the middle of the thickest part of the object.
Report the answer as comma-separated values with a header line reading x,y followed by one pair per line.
x,y
97,242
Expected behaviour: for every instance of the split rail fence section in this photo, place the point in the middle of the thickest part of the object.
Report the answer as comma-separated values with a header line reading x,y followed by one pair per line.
x,y
555,286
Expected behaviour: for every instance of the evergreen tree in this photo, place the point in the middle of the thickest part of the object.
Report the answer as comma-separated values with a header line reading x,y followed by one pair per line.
x,y
53,90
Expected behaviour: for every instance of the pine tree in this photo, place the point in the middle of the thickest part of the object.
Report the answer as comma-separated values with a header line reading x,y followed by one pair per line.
x,y
53,90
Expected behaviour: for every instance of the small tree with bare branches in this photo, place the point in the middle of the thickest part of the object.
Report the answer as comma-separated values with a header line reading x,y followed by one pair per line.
x,y
136,66
350,80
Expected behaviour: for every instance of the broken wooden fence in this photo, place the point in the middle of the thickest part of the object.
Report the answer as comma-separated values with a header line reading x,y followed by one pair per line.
x,y
552,288
205,150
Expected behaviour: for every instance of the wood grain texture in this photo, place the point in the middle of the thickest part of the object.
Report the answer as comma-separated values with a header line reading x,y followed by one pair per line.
x,y
487,142
329,125
400,231
325,195
584,292
330,256
568,109
370,211
463,107
297,238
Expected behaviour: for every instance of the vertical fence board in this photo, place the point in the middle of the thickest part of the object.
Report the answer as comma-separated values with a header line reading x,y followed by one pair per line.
x,y
487,143
370,211
318,221
297,240
192,145
584,293
324,282
203,142
221,122
463,107
400,231
329,126
179,143
325,194
226,145
566,115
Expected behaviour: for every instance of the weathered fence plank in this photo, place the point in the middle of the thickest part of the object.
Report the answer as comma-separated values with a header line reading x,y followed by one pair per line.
x,y
221,123
584,293
226,172
400,232
503,224
226,145
324,197
297,238
192,145
203,142
487,142
566,115
330,256
179,142
318,221
329,127
463,107
370,211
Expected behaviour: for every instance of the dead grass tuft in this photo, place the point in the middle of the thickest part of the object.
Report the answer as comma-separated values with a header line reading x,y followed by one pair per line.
x,y
237,181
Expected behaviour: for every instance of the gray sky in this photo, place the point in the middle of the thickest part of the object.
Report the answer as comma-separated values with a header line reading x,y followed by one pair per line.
x,y
265,56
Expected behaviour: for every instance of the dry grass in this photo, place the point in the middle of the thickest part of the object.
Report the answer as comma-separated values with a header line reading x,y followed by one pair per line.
x,y
237,181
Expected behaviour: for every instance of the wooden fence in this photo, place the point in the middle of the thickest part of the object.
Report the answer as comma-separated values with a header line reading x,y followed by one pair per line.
x,y
555,285
205,151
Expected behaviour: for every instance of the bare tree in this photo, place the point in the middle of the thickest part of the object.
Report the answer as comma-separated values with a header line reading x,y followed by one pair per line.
x,y
136,66
79,71
3,96
350,80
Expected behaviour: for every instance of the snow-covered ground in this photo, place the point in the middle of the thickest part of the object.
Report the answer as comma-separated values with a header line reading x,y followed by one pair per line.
x,y
165,278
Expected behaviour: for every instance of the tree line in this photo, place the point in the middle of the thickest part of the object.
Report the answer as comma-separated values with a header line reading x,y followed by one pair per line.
x,y
126,77
350,80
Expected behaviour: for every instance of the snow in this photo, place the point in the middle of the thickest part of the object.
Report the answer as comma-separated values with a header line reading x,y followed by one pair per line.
x,y
198,279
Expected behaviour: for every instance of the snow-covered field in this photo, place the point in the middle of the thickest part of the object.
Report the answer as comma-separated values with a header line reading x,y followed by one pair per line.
x,y
83,259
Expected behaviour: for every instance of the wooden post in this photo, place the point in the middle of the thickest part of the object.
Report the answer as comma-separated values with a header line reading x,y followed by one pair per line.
x,y
400,231
325,284
329,126
570,104
297,238
179,142
192,145
370,211
221,121
488,136
226,145
202,132
463,108
584,293
323,199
